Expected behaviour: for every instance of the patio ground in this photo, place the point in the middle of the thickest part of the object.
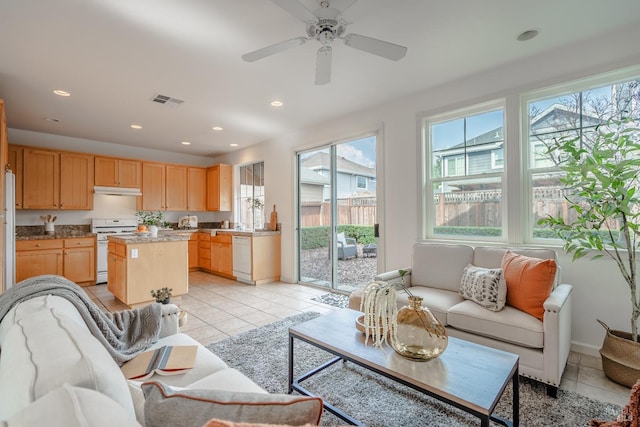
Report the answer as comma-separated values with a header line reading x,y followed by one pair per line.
x,y
315,268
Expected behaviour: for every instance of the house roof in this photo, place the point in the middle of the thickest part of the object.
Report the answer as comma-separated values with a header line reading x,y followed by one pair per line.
x,y
307,176
320,161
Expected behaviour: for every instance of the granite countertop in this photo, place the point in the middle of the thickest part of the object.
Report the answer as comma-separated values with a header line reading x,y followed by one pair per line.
x,y
232,232
61,232
162,237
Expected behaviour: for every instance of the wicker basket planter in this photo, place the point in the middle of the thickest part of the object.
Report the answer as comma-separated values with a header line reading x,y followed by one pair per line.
x,y
620,357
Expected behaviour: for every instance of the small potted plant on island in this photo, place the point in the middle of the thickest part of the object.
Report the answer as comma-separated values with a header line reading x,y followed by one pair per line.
x,y
162,295
151,220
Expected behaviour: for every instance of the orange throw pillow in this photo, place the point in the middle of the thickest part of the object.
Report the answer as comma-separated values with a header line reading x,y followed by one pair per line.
x,y
529,282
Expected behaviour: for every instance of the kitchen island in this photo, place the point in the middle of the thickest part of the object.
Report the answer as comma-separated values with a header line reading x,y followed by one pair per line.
x,y
138,264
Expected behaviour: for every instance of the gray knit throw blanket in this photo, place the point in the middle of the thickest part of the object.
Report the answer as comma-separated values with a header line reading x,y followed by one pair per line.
x,y
124,334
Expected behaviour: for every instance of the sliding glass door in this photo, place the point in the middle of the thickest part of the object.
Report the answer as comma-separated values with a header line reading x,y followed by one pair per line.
x,y
337,210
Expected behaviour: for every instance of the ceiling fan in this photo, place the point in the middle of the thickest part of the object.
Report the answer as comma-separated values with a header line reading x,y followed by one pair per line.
x,y
325,24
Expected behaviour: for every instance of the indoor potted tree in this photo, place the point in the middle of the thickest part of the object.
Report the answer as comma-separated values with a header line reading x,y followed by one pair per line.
x,y
603,178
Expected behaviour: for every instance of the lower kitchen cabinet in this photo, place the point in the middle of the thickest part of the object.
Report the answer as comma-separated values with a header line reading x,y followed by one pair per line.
x,y
222,255
193,251
204,251
73,258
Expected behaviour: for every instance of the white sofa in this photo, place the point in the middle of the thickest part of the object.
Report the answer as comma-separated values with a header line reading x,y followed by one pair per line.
x,y
53,371
435,275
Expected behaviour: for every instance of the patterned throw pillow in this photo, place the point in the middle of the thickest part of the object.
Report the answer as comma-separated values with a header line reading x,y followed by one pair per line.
x,y
485,286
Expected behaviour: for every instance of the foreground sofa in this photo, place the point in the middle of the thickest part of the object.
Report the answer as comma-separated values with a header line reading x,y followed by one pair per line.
x,y
436,274
54,372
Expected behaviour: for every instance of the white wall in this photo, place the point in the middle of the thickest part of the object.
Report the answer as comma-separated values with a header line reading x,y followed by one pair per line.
x,y
599,291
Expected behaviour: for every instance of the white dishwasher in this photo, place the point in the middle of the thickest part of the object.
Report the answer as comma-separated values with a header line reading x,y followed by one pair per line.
x,y
242,258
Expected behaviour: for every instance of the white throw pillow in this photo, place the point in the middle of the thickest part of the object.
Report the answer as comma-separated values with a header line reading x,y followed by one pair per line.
x,y
485,286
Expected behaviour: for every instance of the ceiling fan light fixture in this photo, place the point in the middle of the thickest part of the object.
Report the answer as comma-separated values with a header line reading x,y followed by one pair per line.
x,y
217,128
185,143
134,126
61,92
233,145
277,103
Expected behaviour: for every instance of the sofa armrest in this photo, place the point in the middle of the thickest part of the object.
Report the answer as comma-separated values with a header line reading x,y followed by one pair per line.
x,y
169,322
557,332
393,275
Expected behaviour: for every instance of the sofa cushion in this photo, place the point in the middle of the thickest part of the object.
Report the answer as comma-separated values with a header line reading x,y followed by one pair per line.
x,y
491,257
529,282
438,301
45,348
165,406
69,406
485,286
509,324
439,266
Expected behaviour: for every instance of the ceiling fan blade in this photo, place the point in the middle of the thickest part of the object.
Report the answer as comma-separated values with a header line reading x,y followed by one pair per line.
x,y
273,49
376,47
323,65
296,9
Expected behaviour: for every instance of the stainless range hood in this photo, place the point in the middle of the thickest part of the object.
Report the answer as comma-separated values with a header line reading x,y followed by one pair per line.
x,y
117,191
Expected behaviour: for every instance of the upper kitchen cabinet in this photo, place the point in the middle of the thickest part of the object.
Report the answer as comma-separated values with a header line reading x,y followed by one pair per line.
x,y
15,164
153,187
41,180
197,189
176,188
55,180
114,172
219,188
76,181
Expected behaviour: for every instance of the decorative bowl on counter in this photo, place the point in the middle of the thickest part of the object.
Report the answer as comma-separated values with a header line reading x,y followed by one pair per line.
x,y
142,233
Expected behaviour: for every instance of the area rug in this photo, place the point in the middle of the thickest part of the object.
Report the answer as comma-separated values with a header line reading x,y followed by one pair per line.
x,y
262,355
336,300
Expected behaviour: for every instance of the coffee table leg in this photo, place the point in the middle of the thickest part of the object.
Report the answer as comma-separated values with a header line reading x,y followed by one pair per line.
x,y
290,363
516,399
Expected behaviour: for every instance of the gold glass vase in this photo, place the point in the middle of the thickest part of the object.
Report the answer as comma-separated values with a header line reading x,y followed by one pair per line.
x,y
420,336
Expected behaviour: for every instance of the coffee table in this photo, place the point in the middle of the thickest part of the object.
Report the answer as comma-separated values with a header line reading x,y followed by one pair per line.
x,y
469,376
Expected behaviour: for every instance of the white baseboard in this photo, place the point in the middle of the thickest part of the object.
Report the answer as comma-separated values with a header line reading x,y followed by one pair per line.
x,y
587,349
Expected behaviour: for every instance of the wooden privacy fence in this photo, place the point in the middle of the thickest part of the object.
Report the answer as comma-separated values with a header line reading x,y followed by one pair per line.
x,y
355,210
482,208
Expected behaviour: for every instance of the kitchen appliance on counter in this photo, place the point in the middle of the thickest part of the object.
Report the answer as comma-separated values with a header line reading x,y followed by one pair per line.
x,y
103,227
188,222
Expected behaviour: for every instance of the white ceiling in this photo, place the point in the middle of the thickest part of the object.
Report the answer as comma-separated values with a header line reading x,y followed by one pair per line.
x,y
115,55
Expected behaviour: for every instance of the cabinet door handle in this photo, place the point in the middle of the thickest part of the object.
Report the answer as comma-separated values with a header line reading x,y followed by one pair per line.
x,y
38,245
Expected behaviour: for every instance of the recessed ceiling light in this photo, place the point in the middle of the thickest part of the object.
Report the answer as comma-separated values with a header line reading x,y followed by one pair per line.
x,y
233,145
216,128
527,35
61,92
135,127
186,143
51,119
277,103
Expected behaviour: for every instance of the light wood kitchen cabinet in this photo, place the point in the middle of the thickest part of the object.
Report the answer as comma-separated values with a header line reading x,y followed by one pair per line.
x,y
79,263
15,164
41,179
76,181
196,189
140,267
114,172
219,188
193,251
176,188
55,180
36,257
153,187
222,255
73,258
204,251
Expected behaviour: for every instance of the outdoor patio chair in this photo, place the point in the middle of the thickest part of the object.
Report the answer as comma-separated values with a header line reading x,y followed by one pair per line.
x,y
346,246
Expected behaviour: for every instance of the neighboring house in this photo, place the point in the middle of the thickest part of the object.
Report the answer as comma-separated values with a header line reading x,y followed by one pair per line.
x,y
485,152
312,185
352,178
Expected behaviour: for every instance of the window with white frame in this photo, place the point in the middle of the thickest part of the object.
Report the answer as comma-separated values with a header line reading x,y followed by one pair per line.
x,y
361,182
465,166
567,114
251,196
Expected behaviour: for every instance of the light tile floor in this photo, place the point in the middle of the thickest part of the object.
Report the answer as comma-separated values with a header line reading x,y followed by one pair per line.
x,y
219,308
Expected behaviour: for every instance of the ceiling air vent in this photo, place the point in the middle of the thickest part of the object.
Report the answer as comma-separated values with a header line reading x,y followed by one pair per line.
x,y
167,100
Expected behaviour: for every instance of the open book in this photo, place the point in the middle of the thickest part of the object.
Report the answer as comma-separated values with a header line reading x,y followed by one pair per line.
x,y
166,360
